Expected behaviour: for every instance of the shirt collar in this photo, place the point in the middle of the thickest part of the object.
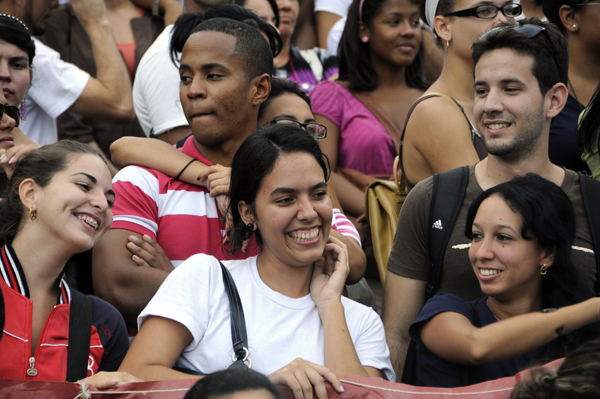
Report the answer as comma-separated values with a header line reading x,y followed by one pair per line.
x,y
13,275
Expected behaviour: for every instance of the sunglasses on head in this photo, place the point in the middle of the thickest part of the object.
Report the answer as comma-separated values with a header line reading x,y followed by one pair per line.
x,y
11,111
528,30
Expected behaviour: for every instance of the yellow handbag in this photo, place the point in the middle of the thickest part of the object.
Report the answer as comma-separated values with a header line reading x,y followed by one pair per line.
x,y
383,201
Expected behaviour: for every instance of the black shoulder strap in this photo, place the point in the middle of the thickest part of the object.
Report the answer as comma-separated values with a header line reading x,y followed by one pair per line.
x,y
80,332
590,192
447,197
238,322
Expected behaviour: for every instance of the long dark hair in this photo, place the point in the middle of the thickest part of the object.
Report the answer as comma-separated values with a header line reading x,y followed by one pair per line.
x,y
589,128
355,60
40,165
548,217
255,159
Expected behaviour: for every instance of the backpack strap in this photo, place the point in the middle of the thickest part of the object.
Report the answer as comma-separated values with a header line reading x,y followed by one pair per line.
x,y
80,333
590,192
239,337
447,197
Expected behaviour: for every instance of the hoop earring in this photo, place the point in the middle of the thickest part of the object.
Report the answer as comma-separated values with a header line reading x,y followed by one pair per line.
x,y
32,213
447,45
544,270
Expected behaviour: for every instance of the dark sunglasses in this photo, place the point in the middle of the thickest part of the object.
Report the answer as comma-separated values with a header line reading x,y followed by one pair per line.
x,y
489,11
11,111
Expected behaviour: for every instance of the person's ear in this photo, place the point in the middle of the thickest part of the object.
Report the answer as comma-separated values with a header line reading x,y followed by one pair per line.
x,y
262,89
443,29
246,212
568,18
548,257
556,98
28,193
363,32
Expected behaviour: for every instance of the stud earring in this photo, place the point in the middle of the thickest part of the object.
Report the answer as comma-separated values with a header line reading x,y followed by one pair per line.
x,y
32,213
250,227
365,39
544,270
574,26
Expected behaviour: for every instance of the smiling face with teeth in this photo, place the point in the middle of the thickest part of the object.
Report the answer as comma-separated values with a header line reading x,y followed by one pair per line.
x,y
292,211
511,114
74,207
506,264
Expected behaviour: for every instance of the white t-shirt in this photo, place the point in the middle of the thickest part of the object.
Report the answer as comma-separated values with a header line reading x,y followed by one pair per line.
x,y
280,329
338,7
156,89
55,86
334,36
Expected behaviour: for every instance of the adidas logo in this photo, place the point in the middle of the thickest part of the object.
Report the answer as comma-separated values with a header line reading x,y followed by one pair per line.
x,y
437,225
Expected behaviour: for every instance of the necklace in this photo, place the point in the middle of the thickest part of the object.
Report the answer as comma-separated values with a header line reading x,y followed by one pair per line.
x,y
581,106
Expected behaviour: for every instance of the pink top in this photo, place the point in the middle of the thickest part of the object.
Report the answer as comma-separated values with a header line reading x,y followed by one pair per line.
x,y
365,144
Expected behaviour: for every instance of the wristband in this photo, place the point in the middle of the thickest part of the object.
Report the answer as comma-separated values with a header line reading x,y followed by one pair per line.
x,y
184,168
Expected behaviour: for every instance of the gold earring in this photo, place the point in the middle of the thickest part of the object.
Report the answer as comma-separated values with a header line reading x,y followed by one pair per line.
x,y
32,213
544,270
447,45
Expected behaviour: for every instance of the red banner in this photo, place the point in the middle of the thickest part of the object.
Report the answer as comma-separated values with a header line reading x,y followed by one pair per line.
x,y
355,388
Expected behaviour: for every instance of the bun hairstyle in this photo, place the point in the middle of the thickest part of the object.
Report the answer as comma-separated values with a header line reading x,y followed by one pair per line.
x,y
40,165
577,378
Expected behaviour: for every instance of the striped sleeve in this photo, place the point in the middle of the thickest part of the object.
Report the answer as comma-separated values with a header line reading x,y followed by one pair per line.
x,y
136,198
344,226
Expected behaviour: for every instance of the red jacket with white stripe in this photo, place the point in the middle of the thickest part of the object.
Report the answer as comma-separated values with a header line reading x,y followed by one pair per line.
x,y
108,343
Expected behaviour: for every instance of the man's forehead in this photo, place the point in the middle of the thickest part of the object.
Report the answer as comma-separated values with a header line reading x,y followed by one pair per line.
x,y
209,43
496,64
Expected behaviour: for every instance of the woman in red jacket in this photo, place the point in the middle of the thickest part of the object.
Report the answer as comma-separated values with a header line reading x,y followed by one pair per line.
x,y
57,204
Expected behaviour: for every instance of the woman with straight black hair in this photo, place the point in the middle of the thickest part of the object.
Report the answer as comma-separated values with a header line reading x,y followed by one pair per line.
x,y
232,382
380,77
536,306
589,134
290,292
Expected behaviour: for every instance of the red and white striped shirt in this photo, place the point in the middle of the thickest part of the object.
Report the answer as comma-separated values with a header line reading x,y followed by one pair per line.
x,y
183,218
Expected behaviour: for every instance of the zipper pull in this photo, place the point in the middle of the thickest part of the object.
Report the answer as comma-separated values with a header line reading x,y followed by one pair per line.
x,y
32,372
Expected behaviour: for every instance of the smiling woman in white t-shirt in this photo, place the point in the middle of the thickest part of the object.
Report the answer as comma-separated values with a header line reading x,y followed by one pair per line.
x,y
300,328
